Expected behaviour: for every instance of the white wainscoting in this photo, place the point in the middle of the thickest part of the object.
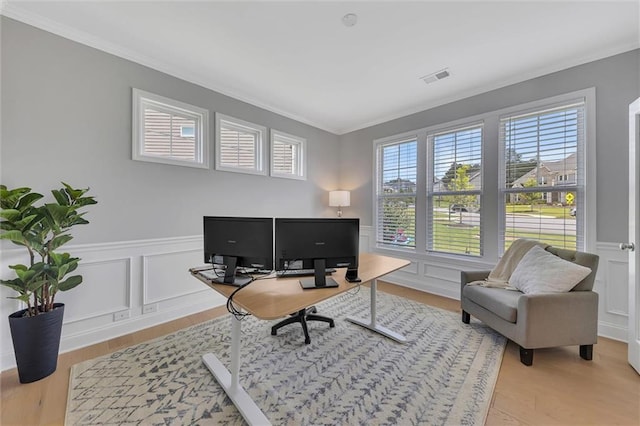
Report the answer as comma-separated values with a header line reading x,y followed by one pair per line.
x,y
127,286
441,276
132,285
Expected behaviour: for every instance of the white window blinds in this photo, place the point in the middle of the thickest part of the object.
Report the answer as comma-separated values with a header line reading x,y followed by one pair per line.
x,y
239,145
287,155
455,192
396,193
542,175
169,131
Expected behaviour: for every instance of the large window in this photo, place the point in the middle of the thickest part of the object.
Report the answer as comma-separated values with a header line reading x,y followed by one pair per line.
x,y
471,187
543,175
455,192
240,145
288,155
168,131
396,193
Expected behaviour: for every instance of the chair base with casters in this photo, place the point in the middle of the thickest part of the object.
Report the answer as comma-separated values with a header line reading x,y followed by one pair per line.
x,y
535,321
302,316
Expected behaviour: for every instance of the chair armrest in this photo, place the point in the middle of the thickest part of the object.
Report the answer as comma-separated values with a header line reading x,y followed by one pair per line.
x,y
558,318
469,276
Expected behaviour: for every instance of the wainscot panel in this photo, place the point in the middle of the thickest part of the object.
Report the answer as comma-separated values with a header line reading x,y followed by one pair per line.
x,y
127,286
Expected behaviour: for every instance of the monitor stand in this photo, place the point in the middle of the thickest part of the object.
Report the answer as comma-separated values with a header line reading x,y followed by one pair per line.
x,y
319,280
230,278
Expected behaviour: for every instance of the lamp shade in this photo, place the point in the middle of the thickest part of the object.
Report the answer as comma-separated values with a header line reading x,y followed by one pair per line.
x,y
339,198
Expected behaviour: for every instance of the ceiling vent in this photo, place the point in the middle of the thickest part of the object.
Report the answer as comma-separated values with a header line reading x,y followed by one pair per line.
x,y
439,75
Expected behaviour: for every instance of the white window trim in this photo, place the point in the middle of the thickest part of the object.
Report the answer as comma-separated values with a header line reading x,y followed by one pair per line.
x,y
260,155
172,106
301,173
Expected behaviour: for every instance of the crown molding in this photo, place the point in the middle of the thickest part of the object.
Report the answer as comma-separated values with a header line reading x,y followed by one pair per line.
x,y
14,11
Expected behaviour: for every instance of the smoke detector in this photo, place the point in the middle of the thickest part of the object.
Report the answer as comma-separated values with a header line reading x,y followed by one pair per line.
x,y
350,19
438,75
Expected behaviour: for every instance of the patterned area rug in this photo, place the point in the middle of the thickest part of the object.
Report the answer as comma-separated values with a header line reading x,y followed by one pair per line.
x,y
348,375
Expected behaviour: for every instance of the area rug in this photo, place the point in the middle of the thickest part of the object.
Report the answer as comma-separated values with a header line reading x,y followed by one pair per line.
x,y
348,375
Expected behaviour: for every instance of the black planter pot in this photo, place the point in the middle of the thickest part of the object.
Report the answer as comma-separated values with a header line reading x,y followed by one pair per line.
x,y
36,341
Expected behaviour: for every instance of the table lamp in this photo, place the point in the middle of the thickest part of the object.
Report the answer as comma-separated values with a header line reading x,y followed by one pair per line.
x,y
339,199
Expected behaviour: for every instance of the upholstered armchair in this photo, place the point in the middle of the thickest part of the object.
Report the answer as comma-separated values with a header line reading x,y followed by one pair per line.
x,y
538,320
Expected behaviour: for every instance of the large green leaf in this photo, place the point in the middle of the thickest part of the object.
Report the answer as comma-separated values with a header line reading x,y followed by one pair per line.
x,y
14,236
9,198
61,197
11,215
70,283
28,200
59,241
57,212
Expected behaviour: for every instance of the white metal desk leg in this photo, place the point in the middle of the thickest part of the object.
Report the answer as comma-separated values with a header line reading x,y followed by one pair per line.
x,y
229,380
372,324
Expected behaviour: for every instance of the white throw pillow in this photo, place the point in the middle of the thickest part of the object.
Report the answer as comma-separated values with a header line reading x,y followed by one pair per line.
x,y
542,272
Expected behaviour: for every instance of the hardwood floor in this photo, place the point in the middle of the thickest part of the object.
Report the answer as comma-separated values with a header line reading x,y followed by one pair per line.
x,y
559,389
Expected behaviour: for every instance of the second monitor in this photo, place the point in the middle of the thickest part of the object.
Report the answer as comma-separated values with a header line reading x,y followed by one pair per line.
x,y
318,244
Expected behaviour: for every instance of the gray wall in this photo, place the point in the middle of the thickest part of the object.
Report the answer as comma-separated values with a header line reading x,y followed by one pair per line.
x,y
617,83
66,116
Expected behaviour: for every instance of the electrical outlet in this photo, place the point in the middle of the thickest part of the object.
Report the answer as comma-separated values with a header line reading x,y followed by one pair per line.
x,y
149,309
119,316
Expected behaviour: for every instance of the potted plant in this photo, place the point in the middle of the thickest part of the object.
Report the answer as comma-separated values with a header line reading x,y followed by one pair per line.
x,y
41,229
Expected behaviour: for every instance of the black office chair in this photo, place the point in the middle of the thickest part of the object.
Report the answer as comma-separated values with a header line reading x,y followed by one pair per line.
x,y
302,316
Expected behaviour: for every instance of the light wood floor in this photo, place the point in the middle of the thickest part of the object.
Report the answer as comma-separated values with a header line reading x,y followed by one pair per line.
x,y
559,389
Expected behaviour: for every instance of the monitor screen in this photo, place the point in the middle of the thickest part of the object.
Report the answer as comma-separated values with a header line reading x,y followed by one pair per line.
x,y
245,242
335,242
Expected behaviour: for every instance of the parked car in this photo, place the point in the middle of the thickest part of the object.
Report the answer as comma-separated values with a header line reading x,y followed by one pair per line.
x,y
458,208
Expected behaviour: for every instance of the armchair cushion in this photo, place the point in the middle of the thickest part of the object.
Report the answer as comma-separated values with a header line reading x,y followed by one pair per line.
x,y
542,272
503,303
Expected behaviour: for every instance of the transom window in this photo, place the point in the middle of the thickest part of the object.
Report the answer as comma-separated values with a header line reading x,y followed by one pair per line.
x,y
169,131
288,155
239,145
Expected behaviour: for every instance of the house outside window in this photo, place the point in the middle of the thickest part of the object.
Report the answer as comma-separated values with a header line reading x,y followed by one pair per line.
x,y
538,203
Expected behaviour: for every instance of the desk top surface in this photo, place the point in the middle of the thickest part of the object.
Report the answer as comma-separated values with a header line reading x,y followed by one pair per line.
x,y
274,298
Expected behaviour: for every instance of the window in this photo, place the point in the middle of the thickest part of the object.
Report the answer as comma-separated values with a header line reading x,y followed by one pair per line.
x,y
159,134
396,193
543,175
239,146
455,192
470,187
288,155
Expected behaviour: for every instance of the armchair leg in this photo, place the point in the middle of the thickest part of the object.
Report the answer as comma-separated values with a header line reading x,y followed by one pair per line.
x,y
466,317
586,352
526,356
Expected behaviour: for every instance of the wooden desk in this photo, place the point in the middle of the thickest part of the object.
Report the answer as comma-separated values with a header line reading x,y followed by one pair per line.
x,y
274,298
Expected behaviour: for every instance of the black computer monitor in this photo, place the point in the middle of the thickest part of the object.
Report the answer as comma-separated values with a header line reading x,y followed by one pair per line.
x,y
238,242
318,244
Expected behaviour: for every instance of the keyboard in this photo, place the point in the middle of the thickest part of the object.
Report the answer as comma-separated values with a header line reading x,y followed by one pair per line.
x,y
301,272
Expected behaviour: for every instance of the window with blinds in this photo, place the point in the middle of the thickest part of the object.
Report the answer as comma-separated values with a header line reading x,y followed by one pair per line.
x,y
169,131
542,175
239,145
455,192
287,155
396,193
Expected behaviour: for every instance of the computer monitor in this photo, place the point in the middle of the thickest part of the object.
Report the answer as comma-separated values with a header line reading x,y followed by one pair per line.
x,y
318,244
238,242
